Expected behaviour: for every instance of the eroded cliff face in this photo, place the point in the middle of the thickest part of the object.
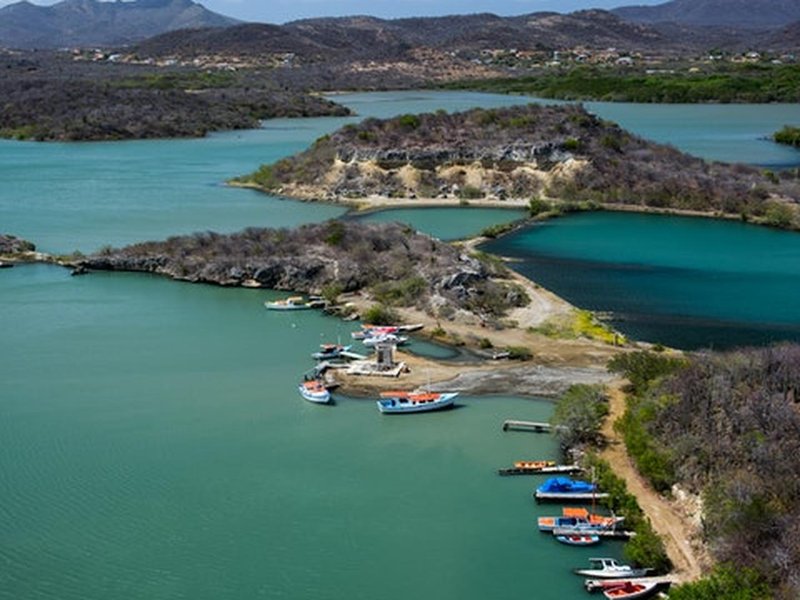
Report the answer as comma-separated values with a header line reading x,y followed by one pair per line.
x,y
390,261
560,153
499,172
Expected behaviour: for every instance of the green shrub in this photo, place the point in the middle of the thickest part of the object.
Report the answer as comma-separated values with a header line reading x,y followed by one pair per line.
x,y
378,314
404,292
335,233
519,353
779,214
643,367
579,415
493,231
725,581
788,135
470,192
537,206
409,121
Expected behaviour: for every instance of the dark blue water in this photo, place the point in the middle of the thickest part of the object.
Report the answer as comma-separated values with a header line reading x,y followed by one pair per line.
x,y
680,281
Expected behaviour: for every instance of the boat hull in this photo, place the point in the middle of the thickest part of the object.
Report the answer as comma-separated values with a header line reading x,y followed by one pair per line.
x,y
397,406
631,591
579,540
322,396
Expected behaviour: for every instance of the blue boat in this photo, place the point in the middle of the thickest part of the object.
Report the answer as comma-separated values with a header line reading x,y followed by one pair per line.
x,y
566,489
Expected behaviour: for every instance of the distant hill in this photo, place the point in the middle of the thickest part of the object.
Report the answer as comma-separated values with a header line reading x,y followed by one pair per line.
x,y
746,14
371,38
94,23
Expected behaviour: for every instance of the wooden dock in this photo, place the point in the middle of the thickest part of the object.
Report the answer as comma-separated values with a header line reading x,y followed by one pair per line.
x,y
534,426
582,497
617,534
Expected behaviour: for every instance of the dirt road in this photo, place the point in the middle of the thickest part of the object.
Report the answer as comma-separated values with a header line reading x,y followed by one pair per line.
x,y
673,527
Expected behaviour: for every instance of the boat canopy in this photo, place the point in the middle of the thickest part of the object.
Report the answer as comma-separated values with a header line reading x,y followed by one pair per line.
x,y
565,484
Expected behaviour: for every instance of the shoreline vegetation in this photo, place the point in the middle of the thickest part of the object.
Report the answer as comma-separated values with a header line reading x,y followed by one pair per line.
x,y
734,83
57,99
552,159
788,135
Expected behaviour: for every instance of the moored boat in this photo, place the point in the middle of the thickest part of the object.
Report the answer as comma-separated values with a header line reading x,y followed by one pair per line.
x,y
579,539
413,402
566,490
548,524
537,467
368,331
328,351
291,303
630,590
608,568
390,338
314,391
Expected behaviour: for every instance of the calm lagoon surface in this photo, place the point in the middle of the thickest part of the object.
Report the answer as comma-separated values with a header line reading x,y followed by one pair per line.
x,y
681,281
155,446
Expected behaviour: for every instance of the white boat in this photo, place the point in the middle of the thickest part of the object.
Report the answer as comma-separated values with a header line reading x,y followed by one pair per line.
x,y
314,391
413,402
368,331
291,303
630,590
608,568
390,338
328,351
579,539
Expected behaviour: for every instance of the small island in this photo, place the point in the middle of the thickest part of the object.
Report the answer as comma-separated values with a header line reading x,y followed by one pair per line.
x,y
553,157
788,135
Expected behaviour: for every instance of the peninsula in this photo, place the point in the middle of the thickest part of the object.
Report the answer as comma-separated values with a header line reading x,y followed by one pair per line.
x,y
556,157
388,271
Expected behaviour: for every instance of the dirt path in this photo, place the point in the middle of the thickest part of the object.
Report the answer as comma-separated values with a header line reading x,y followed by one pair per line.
x,y
668,522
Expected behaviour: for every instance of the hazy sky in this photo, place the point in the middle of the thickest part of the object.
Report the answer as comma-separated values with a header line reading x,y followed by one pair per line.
x,y
279,11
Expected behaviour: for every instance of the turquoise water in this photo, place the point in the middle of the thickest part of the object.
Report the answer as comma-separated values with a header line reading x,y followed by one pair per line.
x,y
685,282
154,444
447,223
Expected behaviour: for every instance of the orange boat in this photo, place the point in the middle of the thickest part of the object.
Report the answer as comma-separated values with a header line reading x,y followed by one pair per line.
x,y
534,464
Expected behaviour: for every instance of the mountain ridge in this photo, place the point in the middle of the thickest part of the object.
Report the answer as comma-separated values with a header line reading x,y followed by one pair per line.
x,y
24,25
743,14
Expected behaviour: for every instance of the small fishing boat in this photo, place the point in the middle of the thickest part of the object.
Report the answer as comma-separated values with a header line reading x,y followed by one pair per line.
x,y
291,303
630,590
566,489
368,331
413,402
579,539
390,338
328,351
578,517
548,524
608,568
536,467
314,391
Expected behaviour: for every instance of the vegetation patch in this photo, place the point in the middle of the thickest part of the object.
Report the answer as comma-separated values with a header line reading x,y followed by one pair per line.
x,y
726,83
726,426
788,135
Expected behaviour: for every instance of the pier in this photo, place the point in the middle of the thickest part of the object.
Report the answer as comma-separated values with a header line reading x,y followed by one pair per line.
x,y
617,534
533,426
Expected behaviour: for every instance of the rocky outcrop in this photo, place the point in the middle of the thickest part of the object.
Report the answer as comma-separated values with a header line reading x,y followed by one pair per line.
x,y
560,153
11,245
390,261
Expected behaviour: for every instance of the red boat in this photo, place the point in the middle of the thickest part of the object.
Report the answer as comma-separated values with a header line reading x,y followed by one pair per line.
x,y
630,590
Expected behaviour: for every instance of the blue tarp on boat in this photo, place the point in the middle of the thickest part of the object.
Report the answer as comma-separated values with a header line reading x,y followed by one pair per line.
x,y
565,484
